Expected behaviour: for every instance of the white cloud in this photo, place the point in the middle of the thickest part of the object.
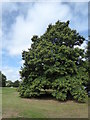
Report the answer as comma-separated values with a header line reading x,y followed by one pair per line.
x,y
35,22
77,0
0,26
44,0
21,62
78,22
84,45
11,73
0,37
9,7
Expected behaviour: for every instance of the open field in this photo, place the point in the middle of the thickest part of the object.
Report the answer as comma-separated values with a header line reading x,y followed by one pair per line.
x,y
0,102
13,107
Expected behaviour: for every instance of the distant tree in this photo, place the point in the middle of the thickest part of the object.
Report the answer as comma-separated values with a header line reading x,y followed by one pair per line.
x,y
53,62
16,83
9,83
2,79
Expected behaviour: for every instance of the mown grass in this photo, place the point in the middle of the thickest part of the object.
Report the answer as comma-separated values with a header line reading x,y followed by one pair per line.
x,y
15,107
0,102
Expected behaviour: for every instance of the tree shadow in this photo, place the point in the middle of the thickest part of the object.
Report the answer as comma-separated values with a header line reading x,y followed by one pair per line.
x,y
45,96
69,96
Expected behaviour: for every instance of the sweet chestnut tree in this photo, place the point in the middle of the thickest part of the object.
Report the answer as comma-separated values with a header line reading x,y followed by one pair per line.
x,y
54,63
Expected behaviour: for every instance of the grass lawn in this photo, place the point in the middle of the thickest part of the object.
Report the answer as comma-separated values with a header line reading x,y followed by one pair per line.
x,y
0,102
13,106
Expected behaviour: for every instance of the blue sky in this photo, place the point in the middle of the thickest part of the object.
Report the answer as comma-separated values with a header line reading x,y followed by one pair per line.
x,y
22,20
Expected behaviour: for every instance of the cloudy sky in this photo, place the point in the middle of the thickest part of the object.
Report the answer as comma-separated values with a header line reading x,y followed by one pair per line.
x,y
22,20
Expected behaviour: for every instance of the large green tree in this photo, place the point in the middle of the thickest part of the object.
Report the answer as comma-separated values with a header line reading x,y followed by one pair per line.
x,y
53,62
88,65
2,80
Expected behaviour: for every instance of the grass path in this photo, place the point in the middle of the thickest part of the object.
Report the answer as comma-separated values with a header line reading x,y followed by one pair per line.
x,y
13,106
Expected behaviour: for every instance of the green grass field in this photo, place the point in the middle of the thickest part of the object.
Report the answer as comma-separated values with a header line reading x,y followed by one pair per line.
x,y
0,102
14,107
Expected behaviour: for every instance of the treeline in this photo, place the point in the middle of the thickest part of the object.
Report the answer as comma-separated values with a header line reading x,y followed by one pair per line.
x,y
7,83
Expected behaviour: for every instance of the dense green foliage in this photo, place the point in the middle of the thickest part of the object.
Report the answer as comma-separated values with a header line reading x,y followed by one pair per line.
x,y
88,59
16,83
2,80
54,63
9,83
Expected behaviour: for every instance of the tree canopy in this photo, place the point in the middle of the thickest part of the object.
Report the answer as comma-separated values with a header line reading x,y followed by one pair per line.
x,y
2,80
9,83
54,63
16,83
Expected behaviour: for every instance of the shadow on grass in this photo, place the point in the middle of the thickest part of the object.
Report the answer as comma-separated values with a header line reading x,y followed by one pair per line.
x,y
48,96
